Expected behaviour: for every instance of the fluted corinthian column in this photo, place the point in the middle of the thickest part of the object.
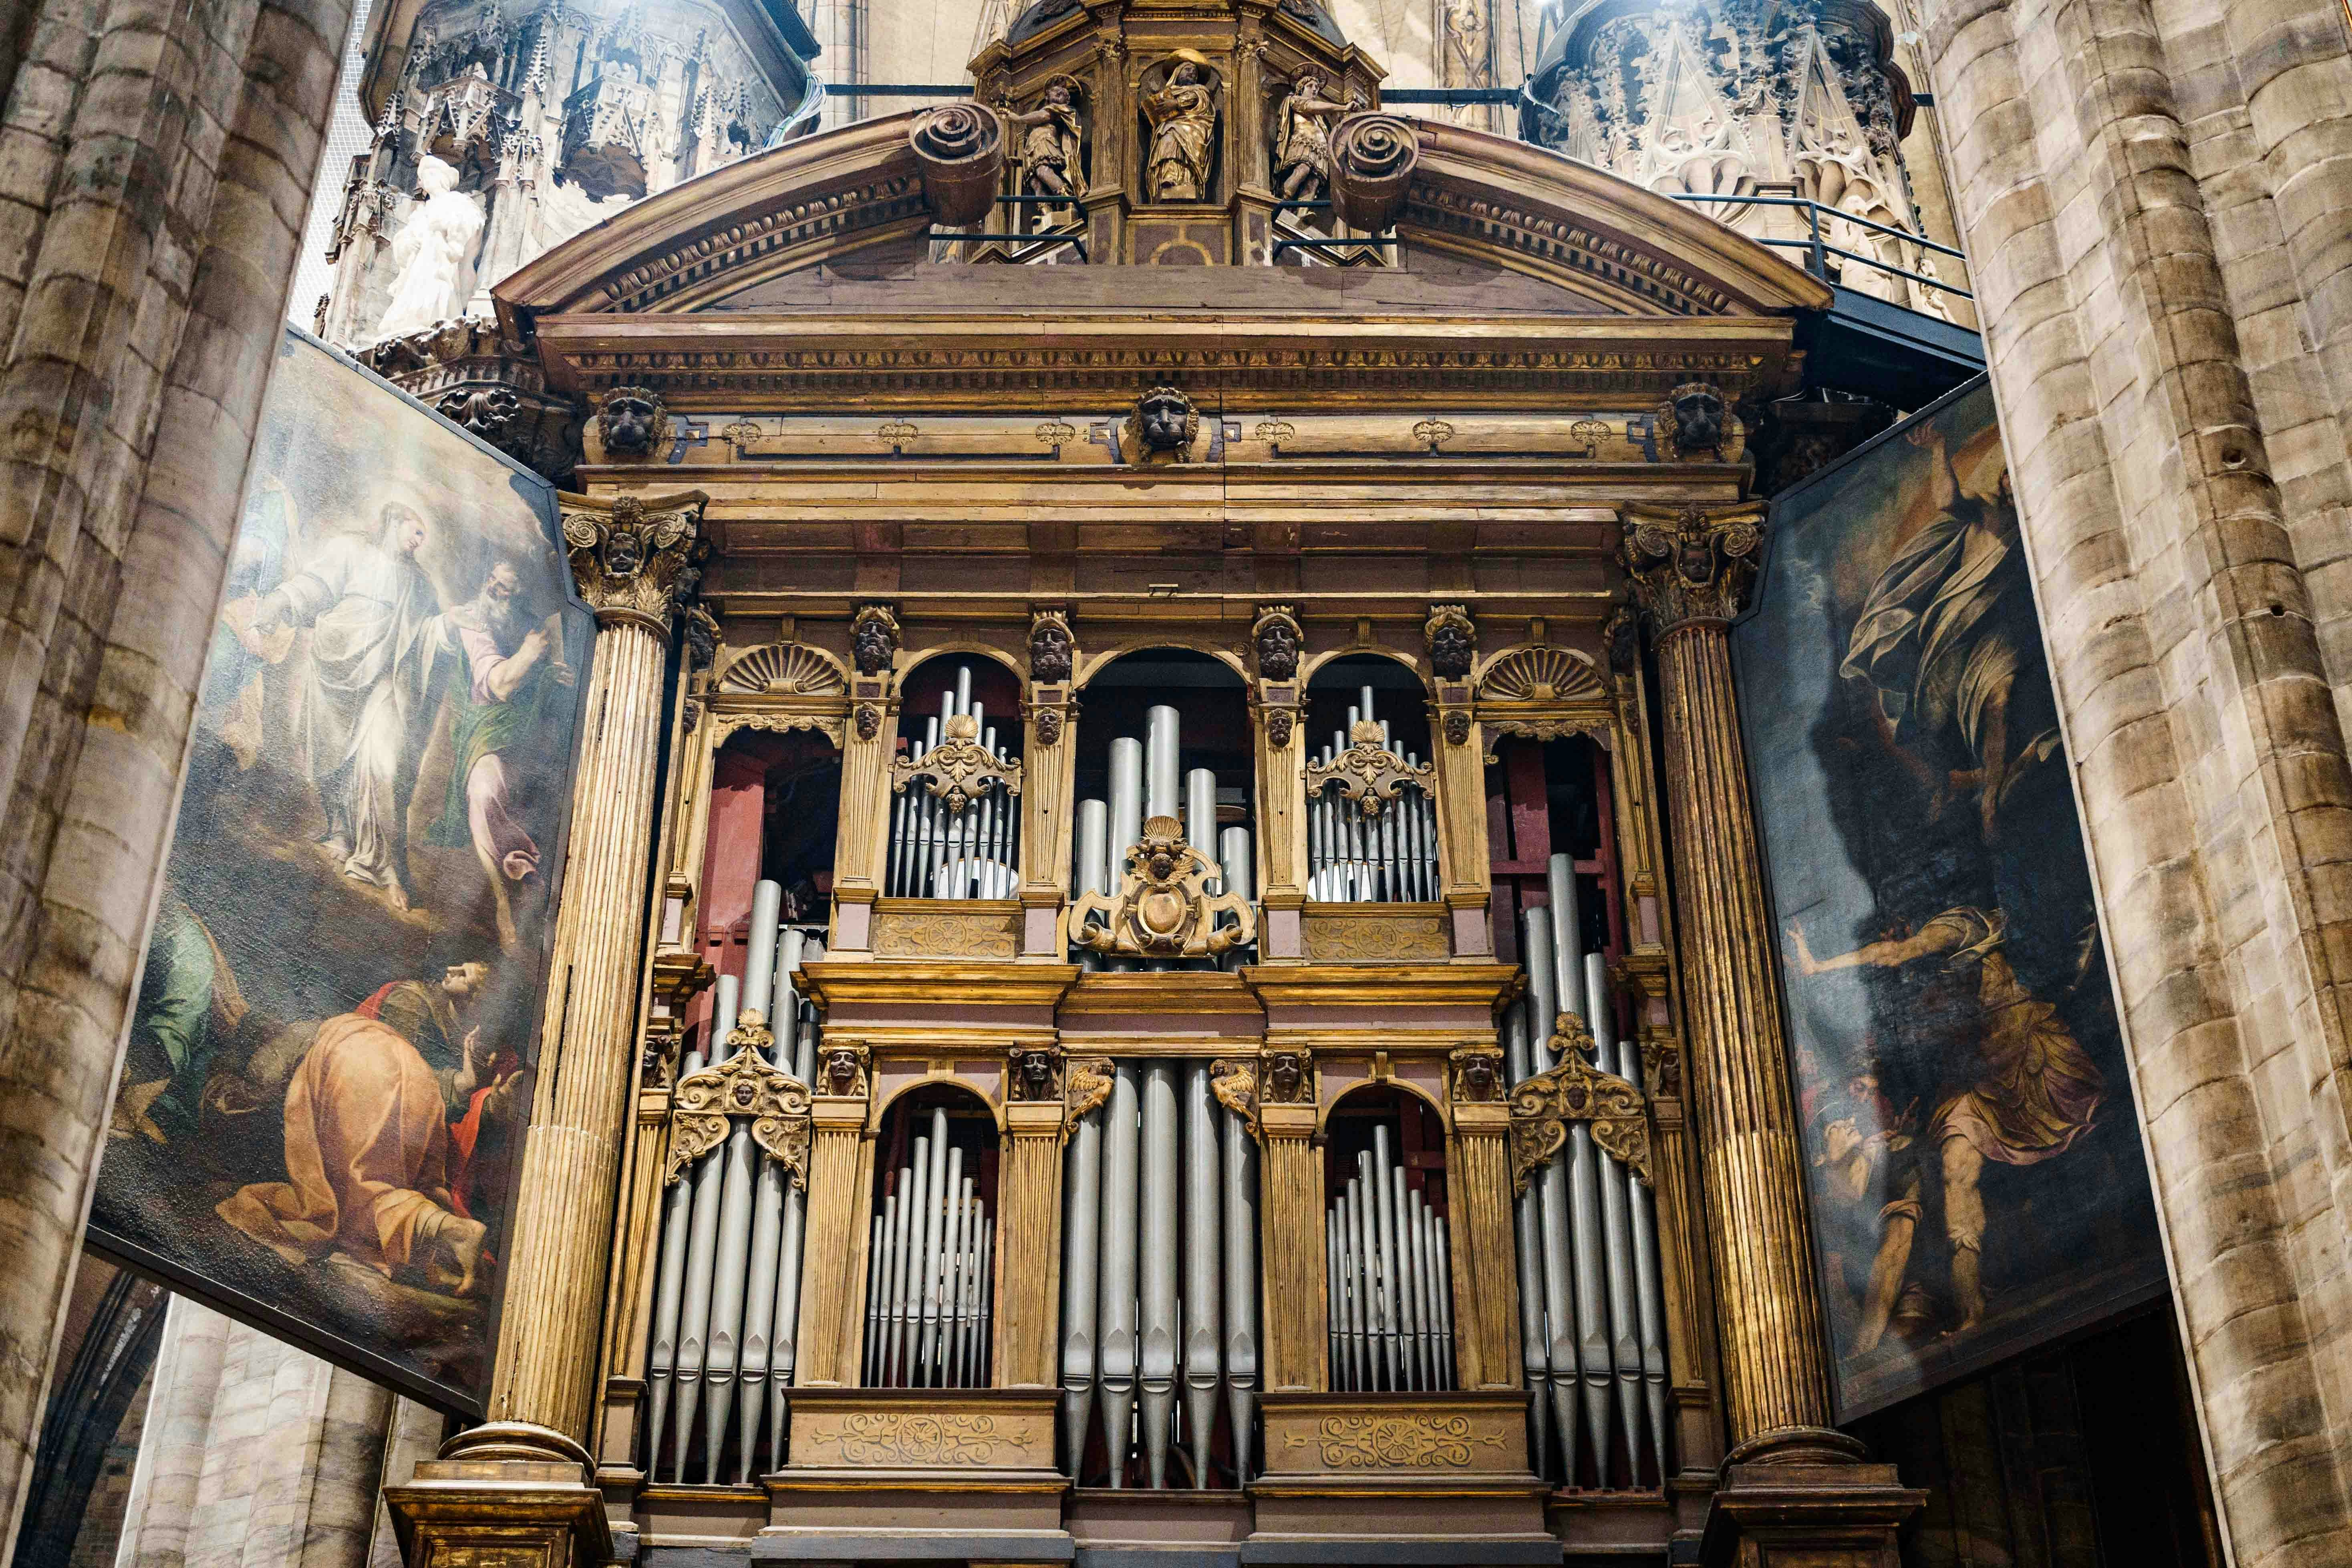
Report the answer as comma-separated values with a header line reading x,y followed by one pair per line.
x,y
628,555
1691,569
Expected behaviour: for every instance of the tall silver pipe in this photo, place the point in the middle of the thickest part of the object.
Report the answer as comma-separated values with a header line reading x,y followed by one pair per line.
x,y
677,1209
726,1342
1126,804
759,1307
1082,1235
1552,1190
1241,1261
760,952
1528,1229
1595,1286
708,1176
1409,1258
906,1238
784,1000
1393,1326
1157,1349
987,1297
1161,782
1237,859
1200,813
1204,1327
1117,1319
1444,1264
927,813
1335,1269
1649,1299
1363,1309
935,1191
783,1341
1617,1229
951,1313
1424,1306
1091,869
878,1267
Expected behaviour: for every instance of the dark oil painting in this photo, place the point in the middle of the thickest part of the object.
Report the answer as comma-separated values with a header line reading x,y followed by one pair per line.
x,y
331,1058
1977,1180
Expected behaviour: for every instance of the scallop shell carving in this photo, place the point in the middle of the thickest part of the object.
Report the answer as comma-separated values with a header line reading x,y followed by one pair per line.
x,y
785,669
1541,675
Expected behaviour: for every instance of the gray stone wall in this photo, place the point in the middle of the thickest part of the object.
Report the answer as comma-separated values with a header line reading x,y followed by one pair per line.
x,y
155,163
2153,196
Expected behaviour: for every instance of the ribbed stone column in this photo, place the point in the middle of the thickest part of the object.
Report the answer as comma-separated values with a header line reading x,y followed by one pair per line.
x,y
516,1489
626,555
1690,570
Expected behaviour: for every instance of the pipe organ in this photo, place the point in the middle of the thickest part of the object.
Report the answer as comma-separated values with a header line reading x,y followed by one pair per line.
x,y
1391,1287
1364,847
948,840
1158,1279
1150,784
928,1309
1591,1317
727,1312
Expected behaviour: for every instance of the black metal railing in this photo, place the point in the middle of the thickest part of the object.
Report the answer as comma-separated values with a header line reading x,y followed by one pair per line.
x,y
1076,238
1818,250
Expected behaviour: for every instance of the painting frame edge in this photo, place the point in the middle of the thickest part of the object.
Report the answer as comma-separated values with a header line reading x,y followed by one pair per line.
x,y
1846,1410
243,1307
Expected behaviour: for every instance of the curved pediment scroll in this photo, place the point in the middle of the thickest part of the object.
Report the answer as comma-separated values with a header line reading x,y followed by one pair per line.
x,y
1575,1090
744,1086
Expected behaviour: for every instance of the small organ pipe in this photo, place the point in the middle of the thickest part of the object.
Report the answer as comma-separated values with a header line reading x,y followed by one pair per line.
x,y
1203,1255
1649,1299
1392,1322
1081,1238
1551,1185
1122,1172
1444,1298
1239,1171
951,1315
1335,1269
878,1269
1162,781
947,1171
905,1238
760,953
1157,1346
677,1209
1527,1230
1363,1312
1200,813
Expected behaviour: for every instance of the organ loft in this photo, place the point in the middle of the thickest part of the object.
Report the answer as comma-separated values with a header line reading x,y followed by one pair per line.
x,y
1204,985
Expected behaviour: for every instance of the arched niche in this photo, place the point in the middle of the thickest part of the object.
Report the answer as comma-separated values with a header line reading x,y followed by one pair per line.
x,y
1390,855
775,812
1387,1244
1400,701
936,850
1213,733
1549,795
931,1234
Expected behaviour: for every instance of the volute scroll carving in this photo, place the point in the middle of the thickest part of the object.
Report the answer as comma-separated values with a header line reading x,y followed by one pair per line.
x,y
960,768
1576,1090
744,1085
1162,908
1085,1085
1368,773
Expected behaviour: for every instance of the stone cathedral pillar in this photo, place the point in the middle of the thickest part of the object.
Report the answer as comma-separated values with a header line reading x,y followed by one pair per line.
x,y
1791,1483
516,1490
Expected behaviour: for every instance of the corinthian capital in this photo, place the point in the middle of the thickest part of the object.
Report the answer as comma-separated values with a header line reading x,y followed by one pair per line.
x,y
1691,564
636,558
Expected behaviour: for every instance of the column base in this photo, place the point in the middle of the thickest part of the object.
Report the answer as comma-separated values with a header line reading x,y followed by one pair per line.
x,y
504,1495
1807,1498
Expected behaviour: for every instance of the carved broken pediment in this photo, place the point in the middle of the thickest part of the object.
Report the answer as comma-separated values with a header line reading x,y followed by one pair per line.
x,y
1543,1105
1368,773
1162,908
745,1085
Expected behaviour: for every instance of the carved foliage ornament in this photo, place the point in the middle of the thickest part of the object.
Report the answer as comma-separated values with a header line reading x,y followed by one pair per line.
x,y
1452,642
631,562
1162,908
1576,1090
1277,635
1411,1440
1086,1084
1693,564
1234,1080
743,1085
874,638
1367,773
960,768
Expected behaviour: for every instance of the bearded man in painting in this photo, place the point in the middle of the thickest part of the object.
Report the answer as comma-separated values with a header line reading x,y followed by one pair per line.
x,y
508,680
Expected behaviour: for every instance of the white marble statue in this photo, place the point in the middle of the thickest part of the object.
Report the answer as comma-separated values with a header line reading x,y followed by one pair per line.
x,y
428,251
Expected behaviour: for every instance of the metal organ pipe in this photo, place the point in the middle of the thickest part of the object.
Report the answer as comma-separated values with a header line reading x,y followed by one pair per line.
x,y
1387,857
1157,1347
924,1325
1203,1258
1081,1252
1390,1292
1527,1225
1122,1183
1551,1181
935,852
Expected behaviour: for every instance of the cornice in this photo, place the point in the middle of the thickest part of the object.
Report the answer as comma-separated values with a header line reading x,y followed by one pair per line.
x,y
897,981
1378,985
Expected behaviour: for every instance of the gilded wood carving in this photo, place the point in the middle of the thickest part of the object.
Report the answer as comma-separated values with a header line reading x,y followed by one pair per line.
x,y
744,1085
1410,1440
1368,773
1162,908
895,1439
1234,1080
1576,1090
960,768
1086,1082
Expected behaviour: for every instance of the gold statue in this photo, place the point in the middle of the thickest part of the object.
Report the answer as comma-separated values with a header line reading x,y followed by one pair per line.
x,y
1183,116
1053,137
1302,140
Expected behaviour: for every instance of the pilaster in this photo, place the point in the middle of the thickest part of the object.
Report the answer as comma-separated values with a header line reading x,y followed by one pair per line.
x,y
865,748
1485,1271
841,1177
1277,704
1791,1485
1029,1241
632,557
1050,752
1291,1213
